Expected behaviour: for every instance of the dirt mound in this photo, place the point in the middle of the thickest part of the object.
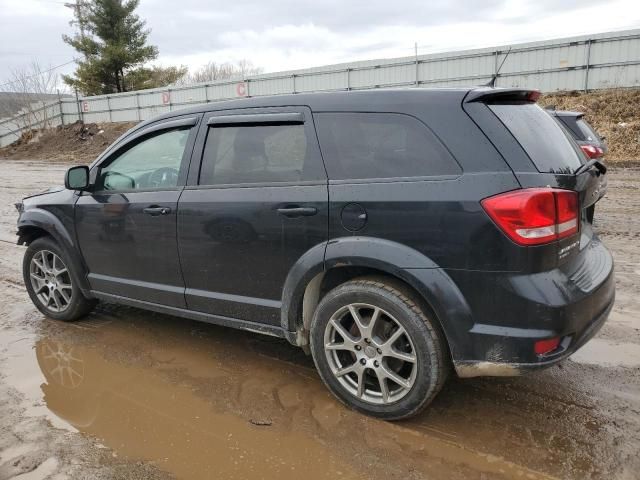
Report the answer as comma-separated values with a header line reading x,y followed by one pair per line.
x,y
74,142
615,114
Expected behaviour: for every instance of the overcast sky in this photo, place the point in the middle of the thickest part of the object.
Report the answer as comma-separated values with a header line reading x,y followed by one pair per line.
x,y
287,34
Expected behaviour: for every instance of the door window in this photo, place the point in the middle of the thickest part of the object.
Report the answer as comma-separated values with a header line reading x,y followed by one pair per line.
x,y
258,154
153,163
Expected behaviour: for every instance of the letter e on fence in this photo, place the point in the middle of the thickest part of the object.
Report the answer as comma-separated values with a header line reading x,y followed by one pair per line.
x,y
85,106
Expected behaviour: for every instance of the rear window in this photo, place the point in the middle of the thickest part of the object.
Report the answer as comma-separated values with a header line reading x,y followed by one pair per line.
x,y
588,133
380,145
548,146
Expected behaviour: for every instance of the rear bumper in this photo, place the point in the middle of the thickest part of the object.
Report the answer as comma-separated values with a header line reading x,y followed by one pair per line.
x,y
479,368
511,312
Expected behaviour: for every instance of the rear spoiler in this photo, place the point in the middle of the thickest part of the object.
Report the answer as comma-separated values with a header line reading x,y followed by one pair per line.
x,y
502,95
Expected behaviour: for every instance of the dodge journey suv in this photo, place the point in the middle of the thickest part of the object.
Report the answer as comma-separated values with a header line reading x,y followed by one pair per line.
x,y
395,235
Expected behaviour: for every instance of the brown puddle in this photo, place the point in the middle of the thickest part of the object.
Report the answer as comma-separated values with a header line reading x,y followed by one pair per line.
x,y
609,354
201,401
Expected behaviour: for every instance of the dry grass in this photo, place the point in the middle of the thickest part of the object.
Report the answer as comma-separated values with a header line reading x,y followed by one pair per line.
x,y
614,114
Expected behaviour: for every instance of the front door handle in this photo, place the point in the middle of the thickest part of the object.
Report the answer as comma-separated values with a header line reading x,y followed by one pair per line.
x,y
155,210
292,212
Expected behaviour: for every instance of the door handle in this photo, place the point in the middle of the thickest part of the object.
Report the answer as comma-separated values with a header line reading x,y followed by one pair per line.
x,y
293,212
155,210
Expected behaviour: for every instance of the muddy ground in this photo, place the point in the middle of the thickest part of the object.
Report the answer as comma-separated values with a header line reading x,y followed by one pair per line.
x,y
131,394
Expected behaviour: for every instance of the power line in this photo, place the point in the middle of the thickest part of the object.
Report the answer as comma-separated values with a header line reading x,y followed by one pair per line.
x,y
39,73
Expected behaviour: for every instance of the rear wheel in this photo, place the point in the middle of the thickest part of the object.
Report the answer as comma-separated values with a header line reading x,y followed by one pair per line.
x,y
49,281
377,350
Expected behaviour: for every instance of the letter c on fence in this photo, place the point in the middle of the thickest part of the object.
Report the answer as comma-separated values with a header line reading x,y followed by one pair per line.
x,y
241,89
166,98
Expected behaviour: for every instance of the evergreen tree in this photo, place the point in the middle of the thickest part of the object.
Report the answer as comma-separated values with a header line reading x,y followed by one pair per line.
x,y
113,44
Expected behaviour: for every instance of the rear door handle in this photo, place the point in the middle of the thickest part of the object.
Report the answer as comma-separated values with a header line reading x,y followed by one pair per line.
x,y
155,210
292,212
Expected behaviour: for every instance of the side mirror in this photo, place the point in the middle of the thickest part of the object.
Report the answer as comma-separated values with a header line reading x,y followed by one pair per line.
x,y
77,178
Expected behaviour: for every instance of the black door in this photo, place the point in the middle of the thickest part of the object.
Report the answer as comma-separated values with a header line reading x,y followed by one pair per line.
x,y
257,204
126,225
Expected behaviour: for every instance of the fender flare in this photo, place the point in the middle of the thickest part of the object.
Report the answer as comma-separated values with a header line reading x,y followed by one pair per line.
x,y
48,222
431,282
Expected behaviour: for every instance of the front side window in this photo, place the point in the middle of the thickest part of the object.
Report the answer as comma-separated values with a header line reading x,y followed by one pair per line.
x,y
380,145
150,164
257,154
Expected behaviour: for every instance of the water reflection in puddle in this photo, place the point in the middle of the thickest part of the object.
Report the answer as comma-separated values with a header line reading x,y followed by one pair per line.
x,y
202,402
608,354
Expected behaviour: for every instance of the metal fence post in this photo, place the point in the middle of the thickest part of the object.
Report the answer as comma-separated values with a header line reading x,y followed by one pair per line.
x,y
138,106
206,93
586,71
60,107
80,115
248,92
293,79
109,109
417,64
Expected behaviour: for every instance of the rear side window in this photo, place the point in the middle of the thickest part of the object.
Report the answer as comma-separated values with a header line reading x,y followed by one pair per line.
x,y
548,146
380,145
258,154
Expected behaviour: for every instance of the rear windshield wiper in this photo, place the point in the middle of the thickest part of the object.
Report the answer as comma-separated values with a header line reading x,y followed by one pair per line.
x,y
591,163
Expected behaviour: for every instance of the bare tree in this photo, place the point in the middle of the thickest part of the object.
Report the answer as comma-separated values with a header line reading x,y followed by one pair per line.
x,y
28,94
213,71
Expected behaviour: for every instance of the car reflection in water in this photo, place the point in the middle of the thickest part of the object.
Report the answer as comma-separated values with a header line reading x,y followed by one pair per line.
x,y
143,412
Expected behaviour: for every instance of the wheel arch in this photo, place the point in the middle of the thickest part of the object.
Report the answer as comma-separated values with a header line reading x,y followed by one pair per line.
x,y
36,223
347,258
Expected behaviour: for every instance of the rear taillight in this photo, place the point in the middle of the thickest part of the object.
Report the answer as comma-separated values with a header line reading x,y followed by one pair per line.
x,y
535,216
592,151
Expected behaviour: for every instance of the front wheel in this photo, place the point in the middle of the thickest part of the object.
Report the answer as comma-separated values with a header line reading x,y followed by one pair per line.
x,y
377,350
50,282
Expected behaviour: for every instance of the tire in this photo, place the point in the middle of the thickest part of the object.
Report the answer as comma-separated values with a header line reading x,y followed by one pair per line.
x,y
394,368
51,286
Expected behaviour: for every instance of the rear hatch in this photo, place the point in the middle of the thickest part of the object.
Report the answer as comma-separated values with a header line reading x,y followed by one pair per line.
x,y
540,153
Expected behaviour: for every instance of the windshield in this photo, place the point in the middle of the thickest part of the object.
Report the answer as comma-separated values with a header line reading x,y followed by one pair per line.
x,y
547,144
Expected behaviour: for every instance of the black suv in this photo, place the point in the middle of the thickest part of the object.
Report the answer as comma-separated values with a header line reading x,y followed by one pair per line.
x,y
392,234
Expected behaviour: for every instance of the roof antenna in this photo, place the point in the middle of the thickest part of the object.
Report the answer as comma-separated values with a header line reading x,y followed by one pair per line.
x,y
492,83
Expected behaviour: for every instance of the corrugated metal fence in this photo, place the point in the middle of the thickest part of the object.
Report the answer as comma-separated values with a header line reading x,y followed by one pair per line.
x,y
607,60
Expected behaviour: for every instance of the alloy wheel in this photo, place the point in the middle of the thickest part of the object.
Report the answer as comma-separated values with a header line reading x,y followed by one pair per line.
x,y
370,353
50,280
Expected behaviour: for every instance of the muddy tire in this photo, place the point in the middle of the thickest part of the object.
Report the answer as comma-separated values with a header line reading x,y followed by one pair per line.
x,y
377,350
49,280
